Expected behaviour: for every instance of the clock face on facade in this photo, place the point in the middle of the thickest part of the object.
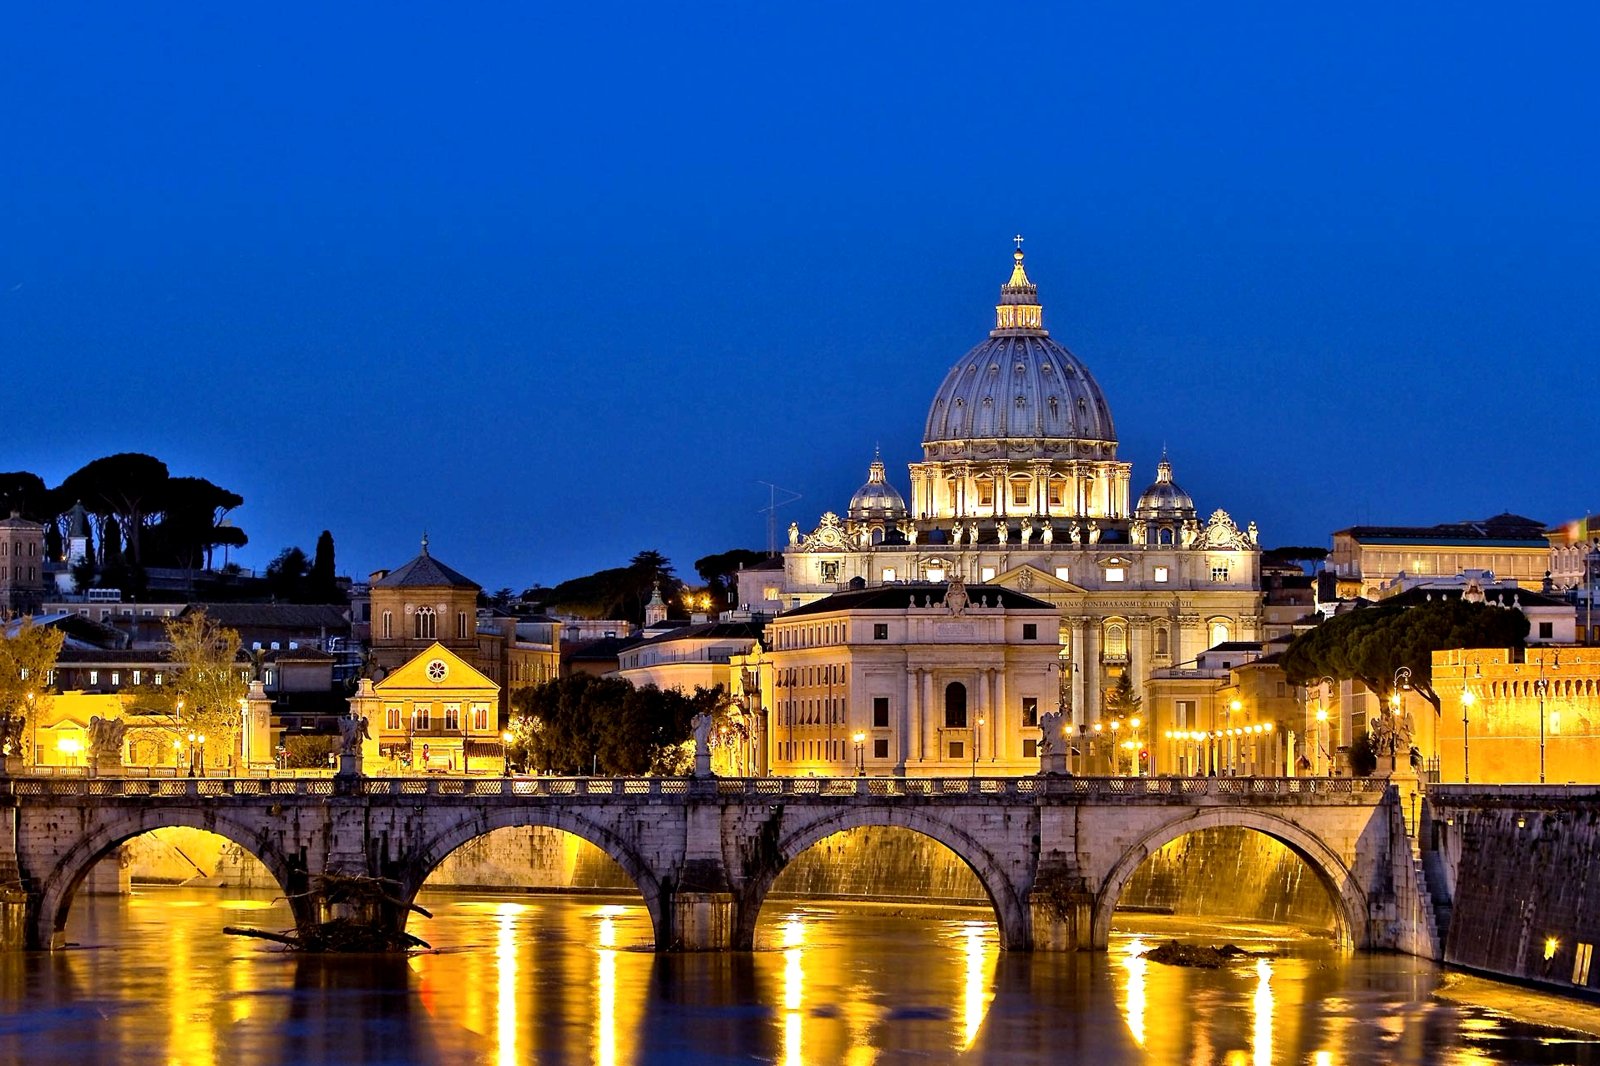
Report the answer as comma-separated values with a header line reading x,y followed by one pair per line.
x,y
438,670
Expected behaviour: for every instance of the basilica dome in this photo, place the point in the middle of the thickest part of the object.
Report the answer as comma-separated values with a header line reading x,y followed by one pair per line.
x,y
877,499
1019,394
1165,498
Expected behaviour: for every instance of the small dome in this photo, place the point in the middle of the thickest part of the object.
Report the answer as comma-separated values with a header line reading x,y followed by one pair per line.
x,y
877,498
1165,498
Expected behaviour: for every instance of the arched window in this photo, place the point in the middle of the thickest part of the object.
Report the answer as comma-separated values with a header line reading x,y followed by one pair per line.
x,y
427,624
955,705
1164,535
1220,633
388,624
1116,640
1161,641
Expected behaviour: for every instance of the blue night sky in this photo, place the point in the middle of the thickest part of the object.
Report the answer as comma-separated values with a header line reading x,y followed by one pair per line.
x,y
560,284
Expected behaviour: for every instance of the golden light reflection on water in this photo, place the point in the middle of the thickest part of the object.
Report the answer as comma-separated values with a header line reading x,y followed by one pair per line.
x,y
794,977
1263,1013
1134,1001
506,1004
606,993
980,952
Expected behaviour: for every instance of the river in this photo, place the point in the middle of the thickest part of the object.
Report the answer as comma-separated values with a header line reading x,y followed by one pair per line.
x,y
571,979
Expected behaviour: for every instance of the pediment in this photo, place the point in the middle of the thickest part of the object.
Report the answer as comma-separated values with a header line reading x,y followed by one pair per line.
x,y
414,675
1030,580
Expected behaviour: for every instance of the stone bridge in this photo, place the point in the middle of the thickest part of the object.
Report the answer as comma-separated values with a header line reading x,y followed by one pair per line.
x,y
1053,853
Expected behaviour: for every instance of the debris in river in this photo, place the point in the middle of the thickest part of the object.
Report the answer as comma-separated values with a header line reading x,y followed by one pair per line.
x,y
357,903
1173,953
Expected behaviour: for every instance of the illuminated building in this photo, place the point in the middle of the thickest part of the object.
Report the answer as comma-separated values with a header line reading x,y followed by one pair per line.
x,y
22,577
906,679
425,602
435,712
1368,558
1020,487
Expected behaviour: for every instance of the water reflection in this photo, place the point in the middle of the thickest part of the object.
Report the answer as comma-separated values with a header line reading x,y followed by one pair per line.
x,y
573,980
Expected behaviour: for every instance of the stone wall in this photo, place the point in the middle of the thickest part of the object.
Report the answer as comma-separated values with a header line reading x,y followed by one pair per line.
x,y
876,862
1521,868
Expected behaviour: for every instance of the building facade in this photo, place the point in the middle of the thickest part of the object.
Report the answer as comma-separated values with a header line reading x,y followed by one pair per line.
x,y
22,577
905,679
1518,716
1020,487
1368,559
435,713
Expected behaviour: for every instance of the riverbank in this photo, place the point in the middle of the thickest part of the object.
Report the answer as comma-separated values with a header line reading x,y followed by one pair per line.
x,y
1533,1004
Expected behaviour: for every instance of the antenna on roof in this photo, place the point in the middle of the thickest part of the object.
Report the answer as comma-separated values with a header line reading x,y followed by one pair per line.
x,y
771,511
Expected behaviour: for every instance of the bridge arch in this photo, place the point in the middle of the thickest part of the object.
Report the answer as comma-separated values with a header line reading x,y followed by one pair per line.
x,y
60,884
1010,914
438,848
1349,901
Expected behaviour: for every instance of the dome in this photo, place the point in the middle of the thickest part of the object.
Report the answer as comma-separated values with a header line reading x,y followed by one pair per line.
x,y
877,498
1165,498
1021,388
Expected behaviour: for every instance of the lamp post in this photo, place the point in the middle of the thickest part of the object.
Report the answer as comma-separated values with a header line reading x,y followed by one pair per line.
x,y
192,738
1135,746
1116,760
202,755
977,742
861,763
505,751
1541,686
1467,700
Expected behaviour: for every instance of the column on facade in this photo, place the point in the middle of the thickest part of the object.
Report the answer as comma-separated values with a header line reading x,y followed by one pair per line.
x,y
1006,740
1041,488
1079,676
930,719
911,736
1091,670
1138,654
984,713
1002,487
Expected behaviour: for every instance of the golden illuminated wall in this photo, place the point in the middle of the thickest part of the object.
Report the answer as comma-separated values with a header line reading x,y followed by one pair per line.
x,y
1504,702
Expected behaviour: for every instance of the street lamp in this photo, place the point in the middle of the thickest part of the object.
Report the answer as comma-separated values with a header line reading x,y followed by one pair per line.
x,y
1541,686
505,751
1116,760
191,754
861,763
202,755
977,742
1467,700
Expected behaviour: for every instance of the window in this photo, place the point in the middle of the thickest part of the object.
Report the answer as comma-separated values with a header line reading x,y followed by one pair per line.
x,y
770,592
1057,493
1063,573
1546,630
935,574
94,677
1219,633
388,625
958,749
1116,573
158,677
1219,573
830,571
480,717
1030,749
1184,713
116,678
955,705
986,573
1030,711
461,625
1580,964
889,576
1162,644
880,748
1030,631
880,712
1161,575
1116,641
1019,493
452,717
422,717
985,493
427,624
391,716
137,674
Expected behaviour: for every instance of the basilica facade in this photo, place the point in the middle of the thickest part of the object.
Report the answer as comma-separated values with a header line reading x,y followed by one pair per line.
x,y
1020,487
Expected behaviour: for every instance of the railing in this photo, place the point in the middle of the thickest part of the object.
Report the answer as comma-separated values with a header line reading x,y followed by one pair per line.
x,y
1240,788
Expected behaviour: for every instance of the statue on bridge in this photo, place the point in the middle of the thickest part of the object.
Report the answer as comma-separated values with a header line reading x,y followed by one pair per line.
x,y
1391,735
702,724
353,731
11,727
1050,733
105,739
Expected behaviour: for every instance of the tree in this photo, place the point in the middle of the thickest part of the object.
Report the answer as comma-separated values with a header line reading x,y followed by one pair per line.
x,y
721,572
25,494
28,655
207,680
322,582
1371,644
129,485
188,531
620,592
1295,554
581,724
1121,700
286,576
